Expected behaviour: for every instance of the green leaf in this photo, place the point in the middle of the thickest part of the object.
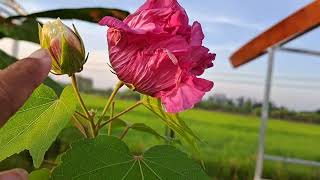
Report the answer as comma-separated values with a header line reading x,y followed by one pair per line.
x,y
146,129
37,124
118,123
27,30
40,174
67,136
109,158
6,60
84,14
54,85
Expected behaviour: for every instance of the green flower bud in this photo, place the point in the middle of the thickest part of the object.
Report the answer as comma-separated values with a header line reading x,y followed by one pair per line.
x,y
65,46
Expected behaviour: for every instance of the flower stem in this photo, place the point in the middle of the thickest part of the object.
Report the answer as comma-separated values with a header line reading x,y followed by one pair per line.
x,y
115,91
111,116
83,106
76,90
121,113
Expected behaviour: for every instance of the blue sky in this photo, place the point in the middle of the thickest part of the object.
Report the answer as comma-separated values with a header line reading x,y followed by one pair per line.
x,y
227,25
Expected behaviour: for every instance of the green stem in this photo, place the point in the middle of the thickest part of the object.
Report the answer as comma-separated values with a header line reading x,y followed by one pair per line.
x,y
115,91
124,132
111,116
83,106
79,126
121,113
51,163
76,90
93,133
80,114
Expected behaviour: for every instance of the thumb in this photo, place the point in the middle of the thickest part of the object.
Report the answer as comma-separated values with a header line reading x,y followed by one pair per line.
x,y
15,174
18,81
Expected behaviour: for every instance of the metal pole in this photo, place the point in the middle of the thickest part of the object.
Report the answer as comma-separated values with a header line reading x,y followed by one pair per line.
x,y
264,116
301,51
292,160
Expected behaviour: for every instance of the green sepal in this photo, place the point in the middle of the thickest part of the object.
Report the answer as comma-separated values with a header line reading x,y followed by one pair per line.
x,y
72,60
83,51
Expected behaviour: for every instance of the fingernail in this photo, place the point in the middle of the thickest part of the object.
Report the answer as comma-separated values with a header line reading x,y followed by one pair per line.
x,y
15,174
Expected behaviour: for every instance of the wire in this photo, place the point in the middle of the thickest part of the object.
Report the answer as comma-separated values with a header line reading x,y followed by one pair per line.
x,y
278,85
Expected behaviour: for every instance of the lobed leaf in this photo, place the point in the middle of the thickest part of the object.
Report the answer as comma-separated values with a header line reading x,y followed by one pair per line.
x,y
107,157
37,124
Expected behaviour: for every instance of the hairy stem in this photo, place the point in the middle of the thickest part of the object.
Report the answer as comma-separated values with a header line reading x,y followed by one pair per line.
x,y
113,95
121,113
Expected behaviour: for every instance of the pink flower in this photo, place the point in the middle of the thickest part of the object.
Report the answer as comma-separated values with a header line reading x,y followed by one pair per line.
x,y
157,52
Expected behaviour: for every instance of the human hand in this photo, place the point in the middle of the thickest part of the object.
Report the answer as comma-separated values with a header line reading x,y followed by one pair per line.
x,y
17,82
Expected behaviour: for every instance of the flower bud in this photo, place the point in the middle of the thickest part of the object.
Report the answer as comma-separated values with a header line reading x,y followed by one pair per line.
x,y
65,46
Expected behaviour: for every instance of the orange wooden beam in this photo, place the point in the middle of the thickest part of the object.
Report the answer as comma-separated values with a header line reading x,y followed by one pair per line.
x,y
288,29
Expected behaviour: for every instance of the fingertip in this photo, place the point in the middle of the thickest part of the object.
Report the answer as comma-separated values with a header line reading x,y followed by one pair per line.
x,y
43,57
14,174
18,81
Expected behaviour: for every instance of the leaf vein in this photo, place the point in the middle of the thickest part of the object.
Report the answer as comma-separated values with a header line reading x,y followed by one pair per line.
x,y
164,167
127,173
151,170
26,127
100,168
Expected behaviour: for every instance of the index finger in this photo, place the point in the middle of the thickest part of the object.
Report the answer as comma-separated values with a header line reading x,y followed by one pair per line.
x,y
19,80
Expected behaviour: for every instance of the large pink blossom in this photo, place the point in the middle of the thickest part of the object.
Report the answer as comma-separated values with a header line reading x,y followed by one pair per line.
x,y
160,54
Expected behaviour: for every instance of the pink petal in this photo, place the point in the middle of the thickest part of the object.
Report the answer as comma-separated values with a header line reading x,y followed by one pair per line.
x,y
185,95
114,23
197,35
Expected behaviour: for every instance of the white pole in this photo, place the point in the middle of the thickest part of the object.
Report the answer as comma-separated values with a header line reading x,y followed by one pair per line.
x,y
264,116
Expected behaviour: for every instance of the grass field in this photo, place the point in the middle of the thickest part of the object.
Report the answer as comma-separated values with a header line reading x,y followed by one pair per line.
x,y
231,141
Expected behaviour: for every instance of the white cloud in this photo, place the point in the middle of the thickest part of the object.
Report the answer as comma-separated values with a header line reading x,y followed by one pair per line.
x,y
233,21
224,47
